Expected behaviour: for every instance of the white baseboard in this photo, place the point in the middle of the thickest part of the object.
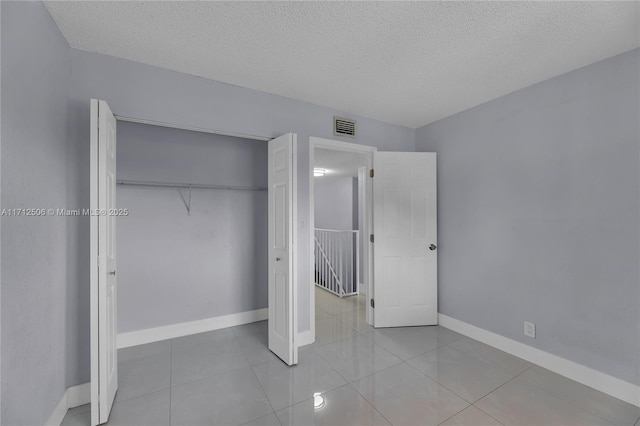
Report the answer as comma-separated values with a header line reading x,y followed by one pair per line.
x,y
149,335
59,411
602,382
305,338
74,396
79,395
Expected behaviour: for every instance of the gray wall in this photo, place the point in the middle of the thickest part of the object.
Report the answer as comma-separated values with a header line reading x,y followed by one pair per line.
x,y
35,256
334,203
173,267
143,91
538,199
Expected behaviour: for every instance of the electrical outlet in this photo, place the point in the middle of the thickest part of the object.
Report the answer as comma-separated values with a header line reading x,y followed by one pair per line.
x,y
530,329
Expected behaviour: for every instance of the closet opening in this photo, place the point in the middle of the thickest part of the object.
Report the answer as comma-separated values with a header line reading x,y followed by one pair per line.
x,y
200,257
193,246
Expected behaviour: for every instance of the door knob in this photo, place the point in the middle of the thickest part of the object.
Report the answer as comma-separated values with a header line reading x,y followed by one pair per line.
x,y
278,259
112,273
432,247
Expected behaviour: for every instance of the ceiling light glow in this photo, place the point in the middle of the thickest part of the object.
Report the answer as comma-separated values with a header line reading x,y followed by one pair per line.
x,y
319,172
318,401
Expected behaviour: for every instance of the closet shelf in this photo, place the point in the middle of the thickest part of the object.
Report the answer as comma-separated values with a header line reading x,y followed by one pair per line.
x,y
189,186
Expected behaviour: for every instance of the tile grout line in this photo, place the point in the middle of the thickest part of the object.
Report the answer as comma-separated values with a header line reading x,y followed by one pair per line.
x,y
360,378
508,381
483,412
460,396
471,404
478,359
207,377
146,392
237,339
440,384
472,354
367,375
369,402
455,414
350,384
246,357
210,375
295,403
338,340
273,411
402,361
573,404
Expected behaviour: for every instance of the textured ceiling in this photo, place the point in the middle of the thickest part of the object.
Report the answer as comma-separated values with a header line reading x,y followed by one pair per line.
x,y
409,63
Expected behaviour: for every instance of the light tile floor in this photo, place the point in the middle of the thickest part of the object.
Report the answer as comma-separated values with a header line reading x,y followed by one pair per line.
x,y
399,376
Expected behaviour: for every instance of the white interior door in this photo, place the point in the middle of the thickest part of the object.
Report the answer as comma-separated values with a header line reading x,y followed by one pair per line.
x,y
404,228
282,211
104,356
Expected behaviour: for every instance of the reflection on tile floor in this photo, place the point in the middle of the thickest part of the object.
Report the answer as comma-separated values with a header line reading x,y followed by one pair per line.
x,y
351,375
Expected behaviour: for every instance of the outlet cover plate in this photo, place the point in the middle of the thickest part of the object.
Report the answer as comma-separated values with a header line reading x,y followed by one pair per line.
x,y
530,329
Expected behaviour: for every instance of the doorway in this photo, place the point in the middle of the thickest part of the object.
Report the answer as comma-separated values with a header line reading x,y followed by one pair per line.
x,y
340,261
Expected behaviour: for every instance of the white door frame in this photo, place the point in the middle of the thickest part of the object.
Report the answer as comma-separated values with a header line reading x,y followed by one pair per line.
x,y
367,252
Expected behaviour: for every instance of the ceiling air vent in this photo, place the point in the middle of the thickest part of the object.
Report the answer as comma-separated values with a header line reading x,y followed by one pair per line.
x,y
344,127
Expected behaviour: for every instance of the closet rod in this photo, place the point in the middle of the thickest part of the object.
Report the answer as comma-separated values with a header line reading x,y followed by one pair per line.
x,y
188,185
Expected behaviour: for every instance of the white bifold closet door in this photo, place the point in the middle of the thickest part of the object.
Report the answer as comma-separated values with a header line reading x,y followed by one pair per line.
x,y
282,214
103,292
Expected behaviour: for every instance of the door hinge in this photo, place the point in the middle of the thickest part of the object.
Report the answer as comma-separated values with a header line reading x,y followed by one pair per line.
x,y
371,173
371,237
373,303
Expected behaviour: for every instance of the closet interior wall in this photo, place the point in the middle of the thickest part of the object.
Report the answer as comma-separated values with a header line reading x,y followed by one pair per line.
x,y
176,265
